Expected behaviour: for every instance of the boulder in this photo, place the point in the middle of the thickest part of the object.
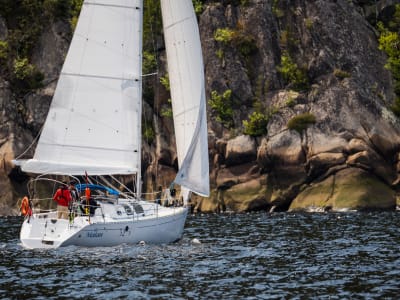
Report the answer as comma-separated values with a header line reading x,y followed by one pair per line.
x,y
230,176
251,195
240,149
371,161
356,145
320,163
348,189
284,148
319,142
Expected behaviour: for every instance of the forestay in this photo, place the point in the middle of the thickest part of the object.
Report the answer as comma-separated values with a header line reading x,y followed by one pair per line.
x,y
94,120
186,75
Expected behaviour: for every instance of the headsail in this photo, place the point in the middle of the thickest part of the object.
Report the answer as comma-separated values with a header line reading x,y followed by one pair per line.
x,y
94,122
186,74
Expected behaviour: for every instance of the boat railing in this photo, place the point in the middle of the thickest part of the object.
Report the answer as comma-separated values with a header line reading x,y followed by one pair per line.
x,y
42,205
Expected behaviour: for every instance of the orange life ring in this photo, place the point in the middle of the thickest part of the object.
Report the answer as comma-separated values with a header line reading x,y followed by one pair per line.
x,y
25,207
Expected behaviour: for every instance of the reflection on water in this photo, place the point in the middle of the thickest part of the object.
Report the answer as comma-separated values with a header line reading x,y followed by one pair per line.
x,y
252,256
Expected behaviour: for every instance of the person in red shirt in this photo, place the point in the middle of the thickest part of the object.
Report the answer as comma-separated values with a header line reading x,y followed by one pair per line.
x,y
63,199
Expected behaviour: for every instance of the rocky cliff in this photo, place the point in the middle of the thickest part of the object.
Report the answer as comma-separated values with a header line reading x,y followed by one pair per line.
x,y
309,72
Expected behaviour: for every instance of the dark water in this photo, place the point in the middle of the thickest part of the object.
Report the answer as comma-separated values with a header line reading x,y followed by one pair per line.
x,y
245,256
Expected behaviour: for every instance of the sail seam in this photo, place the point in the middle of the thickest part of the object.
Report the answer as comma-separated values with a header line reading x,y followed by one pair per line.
x,y
187,110
178,22
111,5
99,76
88,147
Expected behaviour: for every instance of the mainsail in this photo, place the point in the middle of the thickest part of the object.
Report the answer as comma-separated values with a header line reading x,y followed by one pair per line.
x,y
186,75
94,122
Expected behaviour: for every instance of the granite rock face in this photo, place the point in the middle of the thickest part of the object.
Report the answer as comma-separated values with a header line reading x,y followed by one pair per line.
x,y
348,159
355,140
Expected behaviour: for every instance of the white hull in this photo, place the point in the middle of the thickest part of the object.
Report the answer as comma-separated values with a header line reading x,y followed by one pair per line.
x,y
165,225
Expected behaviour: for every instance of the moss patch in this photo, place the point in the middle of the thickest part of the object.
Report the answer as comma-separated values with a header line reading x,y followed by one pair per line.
x,y
317,195
357,189
210,204
349,189
246,196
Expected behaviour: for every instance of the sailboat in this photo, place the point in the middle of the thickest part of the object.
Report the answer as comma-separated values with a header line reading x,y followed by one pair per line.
x,y
92,132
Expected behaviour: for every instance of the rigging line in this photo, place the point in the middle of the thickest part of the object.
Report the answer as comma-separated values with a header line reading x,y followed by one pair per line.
x,y
30,146
123,185
150,74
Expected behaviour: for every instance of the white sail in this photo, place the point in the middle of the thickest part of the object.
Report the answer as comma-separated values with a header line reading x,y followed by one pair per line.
x,y
94,122
186,75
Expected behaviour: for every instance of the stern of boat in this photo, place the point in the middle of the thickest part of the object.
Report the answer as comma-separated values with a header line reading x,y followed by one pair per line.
x,y
45,231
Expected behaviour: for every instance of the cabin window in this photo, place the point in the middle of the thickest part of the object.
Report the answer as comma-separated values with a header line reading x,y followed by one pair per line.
x,y
128,210
138,208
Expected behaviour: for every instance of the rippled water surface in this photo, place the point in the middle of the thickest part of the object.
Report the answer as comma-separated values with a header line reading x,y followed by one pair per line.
x,y
241,256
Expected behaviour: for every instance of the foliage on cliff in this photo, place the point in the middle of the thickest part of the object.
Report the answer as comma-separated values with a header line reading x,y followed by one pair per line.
x,y
26,20
267,64
389,41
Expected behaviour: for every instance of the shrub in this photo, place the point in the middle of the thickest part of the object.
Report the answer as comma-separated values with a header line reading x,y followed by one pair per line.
x,y
341,74
149,62
152,25
301,122
276,10
3,50
290,102
22,68
222,105
256,125
240,39
76,6
166,111
27,75
389,42
396,106
148,132
244,42
309,22
223,35
198,6
57,8
292,73
165,82
220,54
